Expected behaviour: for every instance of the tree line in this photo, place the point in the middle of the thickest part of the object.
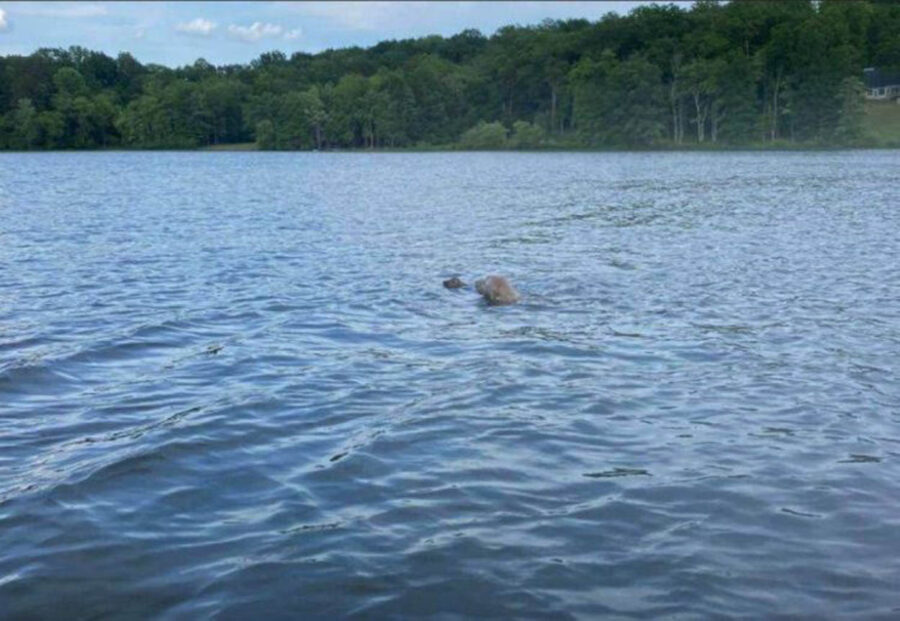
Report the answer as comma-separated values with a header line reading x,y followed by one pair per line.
x,y
737,73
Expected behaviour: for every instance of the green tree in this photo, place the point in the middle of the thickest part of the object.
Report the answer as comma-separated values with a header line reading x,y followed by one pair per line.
x,y
265,135
69,83
526,135
52,129
848,129
484,136
619,103
25,127
346,115
735,72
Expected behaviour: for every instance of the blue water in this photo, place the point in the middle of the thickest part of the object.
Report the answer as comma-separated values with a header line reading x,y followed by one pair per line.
x,y
232,385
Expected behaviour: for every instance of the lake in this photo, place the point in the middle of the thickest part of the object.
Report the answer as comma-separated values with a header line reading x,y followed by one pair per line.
x,y
232,384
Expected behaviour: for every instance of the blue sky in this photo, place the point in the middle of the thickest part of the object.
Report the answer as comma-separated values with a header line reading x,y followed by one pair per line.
x,y
177,33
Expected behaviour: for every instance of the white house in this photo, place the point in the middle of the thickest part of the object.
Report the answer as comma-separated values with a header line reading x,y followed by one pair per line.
x,y
881,85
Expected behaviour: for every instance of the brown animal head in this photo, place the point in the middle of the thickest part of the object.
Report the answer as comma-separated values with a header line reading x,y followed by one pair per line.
x,y
496,290
454,283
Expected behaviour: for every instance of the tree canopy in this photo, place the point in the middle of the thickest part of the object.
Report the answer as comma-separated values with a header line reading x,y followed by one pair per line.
x,y
736,73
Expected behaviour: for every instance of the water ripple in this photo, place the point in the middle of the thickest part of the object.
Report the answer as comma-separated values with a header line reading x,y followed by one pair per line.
x,y
257,397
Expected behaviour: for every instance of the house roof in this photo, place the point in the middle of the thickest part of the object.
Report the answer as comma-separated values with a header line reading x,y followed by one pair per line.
x,y
876,78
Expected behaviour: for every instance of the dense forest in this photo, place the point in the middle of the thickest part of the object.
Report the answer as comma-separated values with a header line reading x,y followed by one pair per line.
x,y
739,73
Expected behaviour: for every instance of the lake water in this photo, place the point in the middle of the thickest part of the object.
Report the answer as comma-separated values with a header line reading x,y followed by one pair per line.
x,y
232,385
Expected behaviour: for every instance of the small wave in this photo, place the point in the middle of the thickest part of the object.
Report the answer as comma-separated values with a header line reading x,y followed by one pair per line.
x,y
617,472
860,459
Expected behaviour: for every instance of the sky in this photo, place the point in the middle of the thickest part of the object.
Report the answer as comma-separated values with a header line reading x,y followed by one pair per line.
x,y
178,33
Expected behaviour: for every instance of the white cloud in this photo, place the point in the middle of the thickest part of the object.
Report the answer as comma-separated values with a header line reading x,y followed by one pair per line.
x,y
293,34
255,31
3,23
201,27
61,9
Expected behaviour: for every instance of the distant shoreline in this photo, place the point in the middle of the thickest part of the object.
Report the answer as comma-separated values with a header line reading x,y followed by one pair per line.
x,y
243,148
780,76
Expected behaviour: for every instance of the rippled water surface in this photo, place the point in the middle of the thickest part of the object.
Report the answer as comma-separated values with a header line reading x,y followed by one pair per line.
x,y
232,385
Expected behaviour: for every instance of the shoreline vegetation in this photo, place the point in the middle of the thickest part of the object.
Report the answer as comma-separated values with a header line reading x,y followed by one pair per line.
x,y
741,75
